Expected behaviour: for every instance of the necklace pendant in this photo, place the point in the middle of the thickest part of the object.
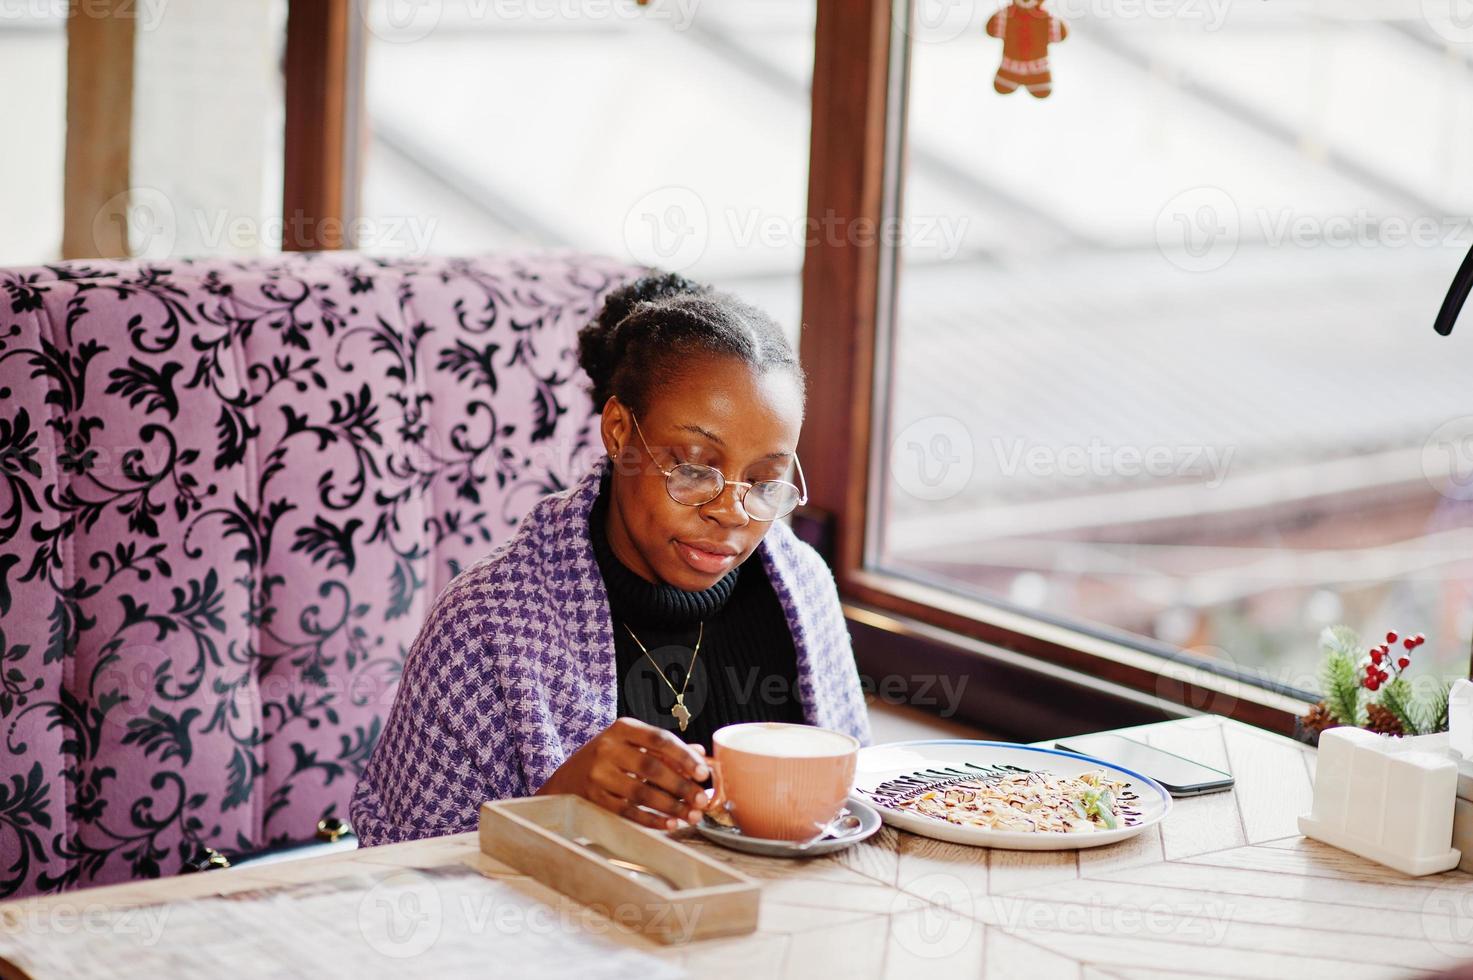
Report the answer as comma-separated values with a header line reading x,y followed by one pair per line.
x,y
680,712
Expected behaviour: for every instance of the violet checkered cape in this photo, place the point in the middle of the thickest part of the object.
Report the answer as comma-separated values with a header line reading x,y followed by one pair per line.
x,y
513,671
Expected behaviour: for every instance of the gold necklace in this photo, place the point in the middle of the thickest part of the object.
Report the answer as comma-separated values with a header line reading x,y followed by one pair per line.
x,y
679,712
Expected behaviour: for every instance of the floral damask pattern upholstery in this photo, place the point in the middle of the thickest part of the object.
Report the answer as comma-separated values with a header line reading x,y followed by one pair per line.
x,y
229,492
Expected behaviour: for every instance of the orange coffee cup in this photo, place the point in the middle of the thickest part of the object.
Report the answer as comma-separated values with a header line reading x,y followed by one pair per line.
x,y
781,781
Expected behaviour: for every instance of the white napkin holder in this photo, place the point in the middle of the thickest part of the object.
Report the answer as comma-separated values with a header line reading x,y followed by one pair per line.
x,y
1460,743
1386,798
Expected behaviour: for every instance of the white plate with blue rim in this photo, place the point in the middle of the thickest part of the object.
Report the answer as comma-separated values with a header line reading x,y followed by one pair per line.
x,y
890,776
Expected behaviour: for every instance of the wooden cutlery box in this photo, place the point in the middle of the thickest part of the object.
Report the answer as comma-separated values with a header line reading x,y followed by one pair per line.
x,y
537,835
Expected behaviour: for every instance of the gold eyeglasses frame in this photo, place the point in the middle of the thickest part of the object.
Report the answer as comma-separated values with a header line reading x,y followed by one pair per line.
x,y
722,482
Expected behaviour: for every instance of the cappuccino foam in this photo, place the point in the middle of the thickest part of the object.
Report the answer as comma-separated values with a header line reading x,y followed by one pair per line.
x,y
784,741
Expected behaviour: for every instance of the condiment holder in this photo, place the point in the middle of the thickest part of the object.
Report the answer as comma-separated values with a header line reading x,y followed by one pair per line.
x,y
1387,798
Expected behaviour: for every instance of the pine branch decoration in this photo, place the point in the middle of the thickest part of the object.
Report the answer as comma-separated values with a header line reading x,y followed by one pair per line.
x,y
1396,697
1365,687
1339,677
1434,714
1343,640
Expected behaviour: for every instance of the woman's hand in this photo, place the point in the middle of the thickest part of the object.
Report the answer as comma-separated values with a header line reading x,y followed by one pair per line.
x,y
632,764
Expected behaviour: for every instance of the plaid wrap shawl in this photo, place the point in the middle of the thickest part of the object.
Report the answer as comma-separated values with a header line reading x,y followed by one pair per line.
x,y
513,671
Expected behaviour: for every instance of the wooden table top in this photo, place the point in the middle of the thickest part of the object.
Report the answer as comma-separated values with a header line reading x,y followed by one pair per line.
x,y
1225,887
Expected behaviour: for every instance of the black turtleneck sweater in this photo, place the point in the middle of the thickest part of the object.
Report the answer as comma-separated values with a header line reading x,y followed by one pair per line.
x,y
747,667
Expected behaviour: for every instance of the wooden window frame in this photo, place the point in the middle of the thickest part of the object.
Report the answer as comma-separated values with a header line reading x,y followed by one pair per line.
x,y
856,175
322,158
99,132
321,161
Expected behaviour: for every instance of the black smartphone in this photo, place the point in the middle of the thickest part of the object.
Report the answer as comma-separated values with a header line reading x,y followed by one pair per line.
x,y
1180,776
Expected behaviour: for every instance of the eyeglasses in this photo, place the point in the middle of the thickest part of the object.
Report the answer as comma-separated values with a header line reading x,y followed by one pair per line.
x,y
694,484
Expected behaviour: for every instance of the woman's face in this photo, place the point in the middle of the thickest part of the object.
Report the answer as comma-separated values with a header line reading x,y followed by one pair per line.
x,y
719,412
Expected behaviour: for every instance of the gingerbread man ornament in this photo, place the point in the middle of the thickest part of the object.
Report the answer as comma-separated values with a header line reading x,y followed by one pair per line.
x,y
1026,30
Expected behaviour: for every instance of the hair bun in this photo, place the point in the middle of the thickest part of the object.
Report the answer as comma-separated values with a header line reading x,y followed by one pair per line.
x,y
646,289
596,342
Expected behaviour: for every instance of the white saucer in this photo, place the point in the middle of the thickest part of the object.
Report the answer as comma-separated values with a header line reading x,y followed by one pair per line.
x,y
869,823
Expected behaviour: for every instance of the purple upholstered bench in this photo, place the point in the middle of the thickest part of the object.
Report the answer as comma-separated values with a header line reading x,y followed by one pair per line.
x,y
229,491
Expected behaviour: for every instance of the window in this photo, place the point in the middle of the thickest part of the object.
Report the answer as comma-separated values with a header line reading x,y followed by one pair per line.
x,y
214,186
33,61
1161,366
141,182
672,134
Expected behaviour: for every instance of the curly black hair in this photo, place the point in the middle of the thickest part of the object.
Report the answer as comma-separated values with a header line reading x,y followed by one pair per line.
x,y
648,326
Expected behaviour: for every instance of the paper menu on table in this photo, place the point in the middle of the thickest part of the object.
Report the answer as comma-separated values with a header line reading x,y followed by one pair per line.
x,y
441,921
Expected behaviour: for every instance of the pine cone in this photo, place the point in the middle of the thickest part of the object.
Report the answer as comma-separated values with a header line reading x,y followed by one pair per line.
x,y
1318,718
1382,721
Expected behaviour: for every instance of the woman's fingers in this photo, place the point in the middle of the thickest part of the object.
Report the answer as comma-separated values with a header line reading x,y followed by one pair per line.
x,y
624,808
654,798
684,759
637,767
646,769
613,778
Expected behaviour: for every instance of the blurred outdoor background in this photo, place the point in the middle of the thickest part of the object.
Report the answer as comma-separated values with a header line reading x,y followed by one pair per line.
x,y
1162,361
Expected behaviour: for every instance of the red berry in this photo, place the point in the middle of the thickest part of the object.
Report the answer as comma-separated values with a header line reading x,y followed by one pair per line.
x,y
1402,663
1420,639
1383,675
1410,643
1390,637
1372,684
1375,657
